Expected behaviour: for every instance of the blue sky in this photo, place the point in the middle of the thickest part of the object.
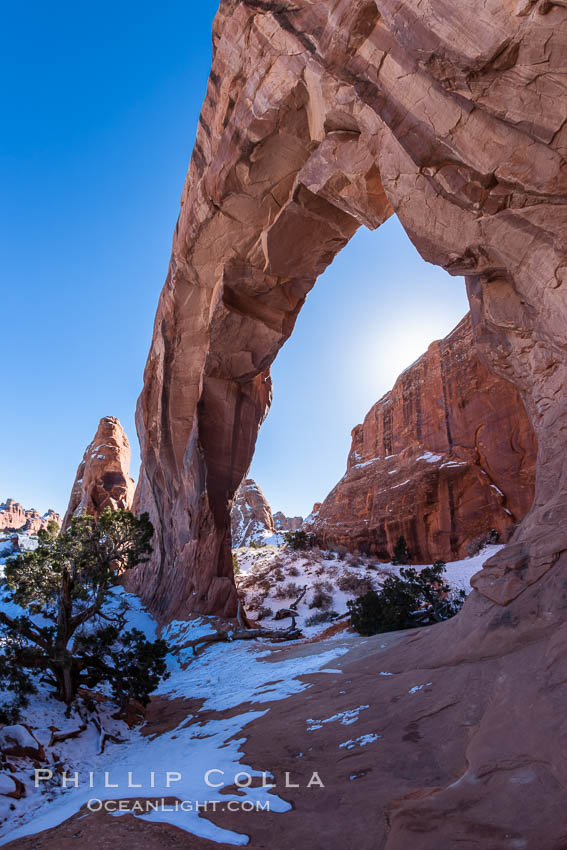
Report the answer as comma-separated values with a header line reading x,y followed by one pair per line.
x,y
99,115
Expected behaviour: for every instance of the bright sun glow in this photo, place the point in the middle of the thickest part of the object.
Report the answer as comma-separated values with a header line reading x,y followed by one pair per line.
x,y
400,344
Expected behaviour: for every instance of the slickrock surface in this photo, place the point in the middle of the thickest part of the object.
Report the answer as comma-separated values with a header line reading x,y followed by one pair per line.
x,y
287,523
103,477
251,516
14,517
446,456
424,760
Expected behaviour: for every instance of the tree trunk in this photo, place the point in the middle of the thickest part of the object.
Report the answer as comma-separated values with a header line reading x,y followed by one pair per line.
x,y
64,669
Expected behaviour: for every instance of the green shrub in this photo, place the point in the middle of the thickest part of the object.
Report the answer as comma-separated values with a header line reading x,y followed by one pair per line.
x,y
321,617
291,590
407,601
401,554
351,583
322,596
475,546
254,603
297,540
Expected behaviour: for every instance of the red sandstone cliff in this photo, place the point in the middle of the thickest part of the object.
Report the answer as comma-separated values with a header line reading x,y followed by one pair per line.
x,y
444,457
14,517
103,477
251,516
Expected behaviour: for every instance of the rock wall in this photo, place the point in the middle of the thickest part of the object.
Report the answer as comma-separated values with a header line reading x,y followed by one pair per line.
x,y
251,515
103,476
14,517
443,458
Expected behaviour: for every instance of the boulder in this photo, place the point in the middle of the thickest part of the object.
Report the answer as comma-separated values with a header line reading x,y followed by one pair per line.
x,y
18,741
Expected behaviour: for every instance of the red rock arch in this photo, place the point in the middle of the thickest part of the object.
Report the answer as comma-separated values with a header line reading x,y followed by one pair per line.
x,y
320,117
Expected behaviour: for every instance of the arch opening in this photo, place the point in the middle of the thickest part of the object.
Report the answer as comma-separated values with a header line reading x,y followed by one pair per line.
x,y
384,418
364,322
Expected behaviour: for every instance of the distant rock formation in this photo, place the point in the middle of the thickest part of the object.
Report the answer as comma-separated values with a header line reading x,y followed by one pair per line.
x,y
103,477
309,520
251,516
14,517
442,459
35,521
287,523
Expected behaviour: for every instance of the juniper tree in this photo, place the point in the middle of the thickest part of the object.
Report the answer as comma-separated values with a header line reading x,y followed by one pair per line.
x,y
401,554
297,540
414,598
68,632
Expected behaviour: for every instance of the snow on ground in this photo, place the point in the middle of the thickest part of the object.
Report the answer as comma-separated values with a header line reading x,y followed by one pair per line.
x,y
173,764
25,542
222,678
271,579
459,573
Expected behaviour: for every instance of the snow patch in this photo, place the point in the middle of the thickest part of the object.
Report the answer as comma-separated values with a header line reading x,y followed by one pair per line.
x,y
430,457
347,718
362,741
417,688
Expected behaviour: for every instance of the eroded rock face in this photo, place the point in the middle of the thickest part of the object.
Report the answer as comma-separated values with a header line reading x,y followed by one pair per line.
x,y
251,515
319,118
287,523
103,476
442,459
14,517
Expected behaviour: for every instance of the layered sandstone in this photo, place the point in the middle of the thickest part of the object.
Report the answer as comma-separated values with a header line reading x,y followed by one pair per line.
x,y
287,523
103,476
251,515
14,517
442,459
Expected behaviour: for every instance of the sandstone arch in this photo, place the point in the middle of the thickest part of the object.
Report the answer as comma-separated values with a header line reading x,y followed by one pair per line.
x,y
320,117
